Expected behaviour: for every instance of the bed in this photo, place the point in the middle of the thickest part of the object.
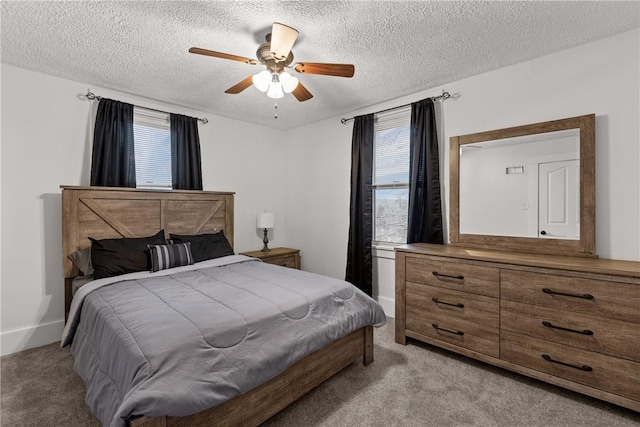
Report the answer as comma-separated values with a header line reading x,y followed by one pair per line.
x,y
294,367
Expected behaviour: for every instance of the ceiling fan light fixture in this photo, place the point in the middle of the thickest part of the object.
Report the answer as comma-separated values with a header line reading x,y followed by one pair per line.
x,y
262,80
282,39
275,91
275,88
289,82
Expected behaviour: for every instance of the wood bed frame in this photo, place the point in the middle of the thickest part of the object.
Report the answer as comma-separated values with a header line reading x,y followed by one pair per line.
x,y
103,212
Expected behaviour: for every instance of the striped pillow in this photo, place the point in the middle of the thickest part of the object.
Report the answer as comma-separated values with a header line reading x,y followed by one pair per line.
x,y
167,256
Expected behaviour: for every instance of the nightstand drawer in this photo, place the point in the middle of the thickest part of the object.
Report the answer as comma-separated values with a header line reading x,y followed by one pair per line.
x,y
617,376
610,336
285,261
454,275
285,257
595,297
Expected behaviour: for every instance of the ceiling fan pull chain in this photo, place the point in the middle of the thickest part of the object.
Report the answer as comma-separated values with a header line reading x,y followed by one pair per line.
x,y
275,106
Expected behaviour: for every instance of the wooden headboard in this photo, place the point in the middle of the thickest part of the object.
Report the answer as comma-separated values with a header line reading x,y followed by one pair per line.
x,y
105,212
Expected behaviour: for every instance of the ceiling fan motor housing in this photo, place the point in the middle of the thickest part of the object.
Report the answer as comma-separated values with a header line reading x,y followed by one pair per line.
x,y
265,57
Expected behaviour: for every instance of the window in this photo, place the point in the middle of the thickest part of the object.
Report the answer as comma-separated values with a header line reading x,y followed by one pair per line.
x,y
391,176
152,145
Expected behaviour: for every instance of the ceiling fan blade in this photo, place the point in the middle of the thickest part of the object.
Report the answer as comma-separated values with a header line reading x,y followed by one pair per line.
x,y
337,70
282,39
301,93
215,54
239,87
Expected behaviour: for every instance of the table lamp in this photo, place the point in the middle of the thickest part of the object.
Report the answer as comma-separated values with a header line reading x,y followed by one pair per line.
x,y
265,221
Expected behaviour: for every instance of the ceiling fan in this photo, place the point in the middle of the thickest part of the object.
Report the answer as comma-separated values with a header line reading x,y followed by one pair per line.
x,y
276,55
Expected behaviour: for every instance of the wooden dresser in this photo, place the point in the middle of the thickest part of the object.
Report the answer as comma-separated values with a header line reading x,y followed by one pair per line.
x,y
285,257
573,322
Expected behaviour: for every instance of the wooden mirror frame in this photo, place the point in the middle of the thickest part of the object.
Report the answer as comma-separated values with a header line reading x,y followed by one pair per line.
x,y
585,246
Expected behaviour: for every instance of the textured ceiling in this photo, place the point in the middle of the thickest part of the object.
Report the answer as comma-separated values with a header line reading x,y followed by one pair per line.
x,y
398,48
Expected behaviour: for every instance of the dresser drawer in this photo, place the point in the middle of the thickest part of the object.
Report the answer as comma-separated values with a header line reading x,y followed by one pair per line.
x,y
614,337
453,275
467,320
596,297
617,376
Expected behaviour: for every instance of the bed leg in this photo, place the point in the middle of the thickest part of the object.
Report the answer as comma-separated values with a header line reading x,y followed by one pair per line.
x,y
367,356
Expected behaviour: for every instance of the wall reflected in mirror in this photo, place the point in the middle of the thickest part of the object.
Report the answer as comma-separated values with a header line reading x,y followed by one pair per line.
x,y
525,186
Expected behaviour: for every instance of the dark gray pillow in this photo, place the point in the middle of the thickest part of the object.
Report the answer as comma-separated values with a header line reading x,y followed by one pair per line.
x,y
168,256
113,257
205,246
82,260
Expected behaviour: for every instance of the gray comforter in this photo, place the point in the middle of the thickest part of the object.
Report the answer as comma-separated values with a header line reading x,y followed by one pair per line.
x,y
182,340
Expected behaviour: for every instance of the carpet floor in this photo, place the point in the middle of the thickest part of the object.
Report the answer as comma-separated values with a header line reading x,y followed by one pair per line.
x,y
413,385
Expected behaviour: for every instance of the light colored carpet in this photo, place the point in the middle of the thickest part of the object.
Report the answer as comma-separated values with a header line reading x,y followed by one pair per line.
x,y
413,385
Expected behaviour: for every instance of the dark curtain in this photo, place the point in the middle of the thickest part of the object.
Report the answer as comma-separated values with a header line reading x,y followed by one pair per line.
x,y
359,265
112,162
186,167
425,210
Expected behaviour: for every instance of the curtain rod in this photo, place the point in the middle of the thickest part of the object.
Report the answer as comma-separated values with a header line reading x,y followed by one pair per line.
x,y
92,96
445,95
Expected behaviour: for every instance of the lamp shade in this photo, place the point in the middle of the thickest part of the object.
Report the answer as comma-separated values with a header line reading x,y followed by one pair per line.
x,y
289,82
275,90
262,80
264,220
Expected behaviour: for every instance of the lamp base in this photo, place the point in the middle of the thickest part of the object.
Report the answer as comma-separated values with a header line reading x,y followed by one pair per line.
x,y
265,240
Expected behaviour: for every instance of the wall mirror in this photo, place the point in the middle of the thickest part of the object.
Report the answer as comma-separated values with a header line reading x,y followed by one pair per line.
x,y
528,188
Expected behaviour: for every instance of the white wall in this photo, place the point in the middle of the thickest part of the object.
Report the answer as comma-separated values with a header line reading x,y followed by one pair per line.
x,y
318,166
600,77
46,142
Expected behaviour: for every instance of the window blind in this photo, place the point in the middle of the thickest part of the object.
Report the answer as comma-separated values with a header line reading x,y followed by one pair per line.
x,y
152,141
391,175
391,147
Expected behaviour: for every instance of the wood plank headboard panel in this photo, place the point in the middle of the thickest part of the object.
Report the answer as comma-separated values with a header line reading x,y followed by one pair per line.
x,y
105,212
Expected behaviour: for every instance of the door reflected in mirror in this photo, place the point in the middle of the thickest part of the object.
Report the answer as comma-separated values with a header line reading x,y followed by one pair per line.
x,y
525,186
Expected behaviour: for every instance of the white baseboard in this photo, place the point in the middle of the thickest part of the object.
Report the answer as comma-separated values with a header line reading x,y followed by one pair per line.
x,y
388,305
35,336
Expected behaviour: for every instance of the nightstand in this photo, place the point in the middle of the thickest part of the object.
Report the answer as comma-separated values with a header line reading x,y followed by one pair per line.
x,y
285,257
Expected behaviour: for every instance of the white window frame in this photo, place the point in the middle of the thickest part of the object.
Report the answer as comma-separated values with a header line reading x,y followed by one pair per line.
x,y
397,118
158,120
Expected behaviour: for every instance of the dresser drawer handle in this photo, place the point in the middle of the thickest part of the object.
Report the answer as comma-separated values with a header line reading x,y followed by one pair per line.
x,y
566,294
438,328
438,275
577,331
437,301
585,368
